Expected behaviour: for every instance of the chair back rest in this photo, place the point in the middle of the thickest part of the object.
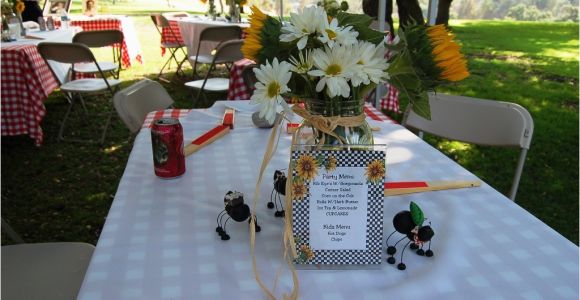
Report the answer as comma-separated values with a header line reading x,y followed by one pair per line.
x,y
99,38
159,20
229,51
136,101
68,53
476,121
221,33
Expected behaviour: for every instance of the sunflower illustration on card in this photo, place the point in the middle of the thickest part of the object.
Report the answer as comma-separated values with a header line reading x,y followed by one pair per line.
x,y
337,205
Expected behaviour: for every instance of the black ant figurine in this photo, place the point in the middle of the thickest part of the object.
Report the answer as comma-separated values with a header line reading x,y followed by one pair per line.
x,y
279,189
235,209
409,222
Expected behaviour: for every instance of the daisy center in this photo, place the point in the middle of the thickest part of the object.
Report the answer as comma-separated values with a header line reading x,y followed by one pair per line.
x,y
333,69
331,34
273,89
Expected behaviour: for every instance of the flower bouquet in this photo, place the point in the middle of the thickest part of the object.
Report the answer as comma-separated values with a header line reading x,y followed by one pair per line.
x,y
333,62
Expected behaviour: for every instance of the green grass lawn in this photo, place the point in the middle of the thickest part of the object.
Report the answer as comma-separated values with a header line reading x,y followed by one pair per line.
x,y
63,191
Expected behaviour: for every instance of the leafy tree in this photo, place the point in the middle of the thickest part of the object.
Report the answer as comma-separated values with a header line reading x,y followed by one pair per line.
x,y
568,12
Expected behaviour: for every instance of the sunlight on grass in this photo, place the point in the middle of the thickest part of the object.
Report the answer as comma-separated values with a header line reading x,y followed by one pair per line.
x,y
114,148
562,53
454,146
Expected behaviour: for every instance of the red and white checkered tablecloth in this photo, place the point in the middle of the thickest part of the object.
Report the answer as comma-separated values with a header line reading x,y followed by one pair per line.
x,y
171,35
130,48
237,90
369,110
26,82
168,113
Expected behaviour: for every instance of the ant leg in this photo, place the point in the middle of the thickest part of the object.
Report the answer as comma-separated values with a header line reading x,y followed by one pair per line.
x,y
225,236
258,228
390,237
279,199
429,252
420,252
219,228
271,203
391,250
401,266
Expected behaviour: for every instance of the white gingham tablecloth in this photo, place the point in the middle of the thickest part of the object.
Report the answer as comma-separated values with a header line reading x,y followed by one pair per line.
x,y
159,239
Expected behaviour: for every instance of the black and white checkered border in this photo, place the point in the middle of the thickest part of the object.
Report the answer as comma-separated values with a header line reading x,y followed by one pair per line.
x,y
374,238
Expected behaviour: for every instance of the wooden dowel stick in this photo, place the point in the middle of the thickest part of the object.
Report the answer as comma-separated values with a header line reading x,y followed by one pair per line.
x,y
401,188
206,139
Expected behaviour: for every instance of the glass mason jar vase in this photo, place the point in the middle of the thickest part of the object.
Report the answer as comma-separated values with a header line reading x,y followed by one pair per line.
x,y
350,135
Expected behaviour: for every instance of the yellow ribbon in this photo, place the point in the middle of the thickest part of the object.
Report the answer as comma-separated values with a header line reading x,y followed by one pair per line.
x,y
328,124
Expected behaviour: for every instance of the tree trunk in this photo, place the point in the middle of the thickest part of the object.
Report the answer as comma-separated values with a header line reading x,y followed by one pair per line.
x,y
409,12
443,12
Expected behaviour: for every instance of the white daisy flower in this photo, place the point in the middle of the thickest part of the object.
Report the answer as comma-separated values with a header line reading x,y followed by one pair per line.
x,y
303,64
370,63
337,34
334,67
272,82
302,24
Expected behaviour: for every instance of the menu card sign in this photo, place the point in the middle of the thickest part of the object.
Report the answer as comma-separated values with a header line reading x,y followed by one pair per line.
x,y
337,206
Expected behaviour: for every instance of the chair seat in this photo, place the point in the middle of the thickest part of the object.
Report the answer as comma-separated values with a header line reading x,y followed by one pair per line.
x,y
44,271
212,84
88,85
106,66
202,58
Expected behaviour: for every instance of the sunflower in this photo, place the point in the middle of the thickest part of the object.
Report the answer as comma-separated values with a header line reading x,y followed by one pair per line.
x,y
298,190
308,253
375,171
425,57
446,54
19,6
330,163
307,167
262,37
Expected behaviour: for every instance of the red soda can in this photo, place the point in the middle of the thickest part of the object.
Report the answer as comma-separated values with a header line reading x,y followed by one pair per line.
x,y
167,143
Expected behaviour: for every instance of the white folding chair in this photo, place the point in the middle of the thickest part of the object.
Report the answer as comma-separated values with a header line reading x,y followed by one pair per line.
x,y
74,53
98,39
44,270
216,34
136,101
478,121
161,23
227,52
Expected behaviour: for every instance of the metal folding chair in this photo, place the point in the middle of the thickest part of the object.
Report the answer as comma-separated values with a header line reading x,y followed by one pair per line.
x,y
73,88
161,23
227,52
98,39
215,34
478,121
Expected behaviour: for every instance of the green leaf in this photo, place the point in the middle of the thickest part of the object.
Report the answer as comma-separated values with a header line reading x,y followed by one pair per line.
x,y
416,214
345,19
421,106
320,159
361,23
